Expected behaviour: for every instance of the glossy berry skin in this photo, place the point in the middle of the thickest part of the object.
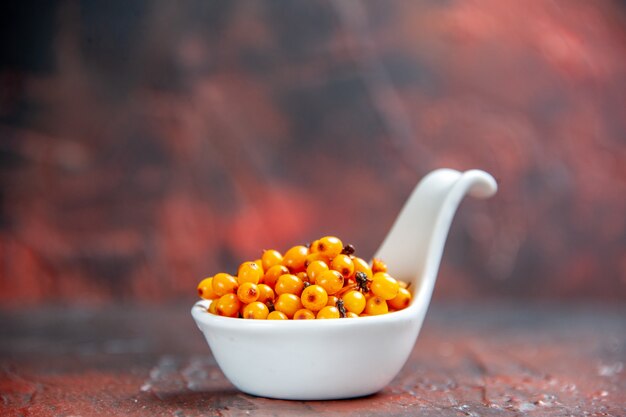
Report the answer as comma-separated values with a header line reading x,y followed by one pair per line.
x,y
343,264
375,306
351,315
384,286
315,269
288,304
400,301
255,310
329,246
328,312
270,258
265,293
213,307
272,275
295,257
304,277
314,297
205,289
354,301
228,305
361,266
277,315
249,272
248,292
332,301
331,281
304,314
289,284
378,265
224,284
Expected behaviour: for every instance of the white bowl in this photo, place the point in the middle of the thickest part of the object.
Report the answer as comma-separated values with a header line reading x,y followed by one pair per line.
x,y
343,358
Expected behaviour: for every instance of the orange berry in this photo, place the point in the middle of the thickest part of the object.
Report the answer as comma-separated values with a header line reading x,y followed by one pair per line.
x,y
402,300
288,304
270,258
228,305
213,307
304,314
354,301
303,276
224,284
351,315
383,285
332,300
259,262
272,275
248,292
328,312
249,272
255,310
265,293
343,264
294,258
289,284
329,246
375,306
205,289
330,280
315,268
312,257
314,297
277,315
378,265
361,266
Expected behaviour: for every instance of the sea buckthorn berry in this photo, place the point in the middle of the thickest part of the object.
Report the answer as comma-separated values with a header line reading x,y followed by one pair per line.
x,y
351,315
329,246
248,292
303,276
294,258
314,297
224,284
383,285
288,304
354,301
332,300
255,310
361,266
311,257
289,284
259,262
330,280
270,258
378,265
304,314
249,272
213,307
277,315
265,293
272,275
400,301
328,312
205,289
314,269
375,306
228,305
343,264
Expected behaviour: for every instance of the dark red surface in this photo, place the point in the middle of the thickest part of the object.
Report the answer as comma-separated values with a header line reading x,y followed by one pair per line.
x,y
147,145
494,360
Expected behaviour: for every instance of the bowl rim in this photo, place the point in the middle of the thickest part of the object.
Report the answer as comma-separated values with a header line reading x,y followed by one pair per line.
x,y
202,316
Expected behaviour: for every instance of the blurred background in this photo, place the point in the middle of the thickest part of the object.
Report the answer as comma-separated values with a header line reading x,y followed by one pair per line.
x,y
145,145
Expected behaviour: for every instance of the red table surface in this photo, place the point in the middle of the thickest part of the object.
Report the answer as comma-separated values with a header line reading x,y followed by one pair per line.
x,y
470,360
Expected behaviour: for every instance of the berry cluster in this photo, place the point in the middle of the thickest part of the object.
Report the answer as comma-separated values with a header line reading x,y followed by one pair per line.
x,y
324,280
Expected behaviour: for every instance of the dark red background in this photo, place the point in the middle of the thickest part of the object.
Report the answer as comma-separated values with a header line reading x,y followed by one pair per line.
x,y
145,145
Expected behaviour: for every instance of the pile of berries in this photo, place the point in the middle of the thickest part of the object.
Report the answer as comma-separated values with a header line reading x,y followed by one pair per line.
x,y
324,280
